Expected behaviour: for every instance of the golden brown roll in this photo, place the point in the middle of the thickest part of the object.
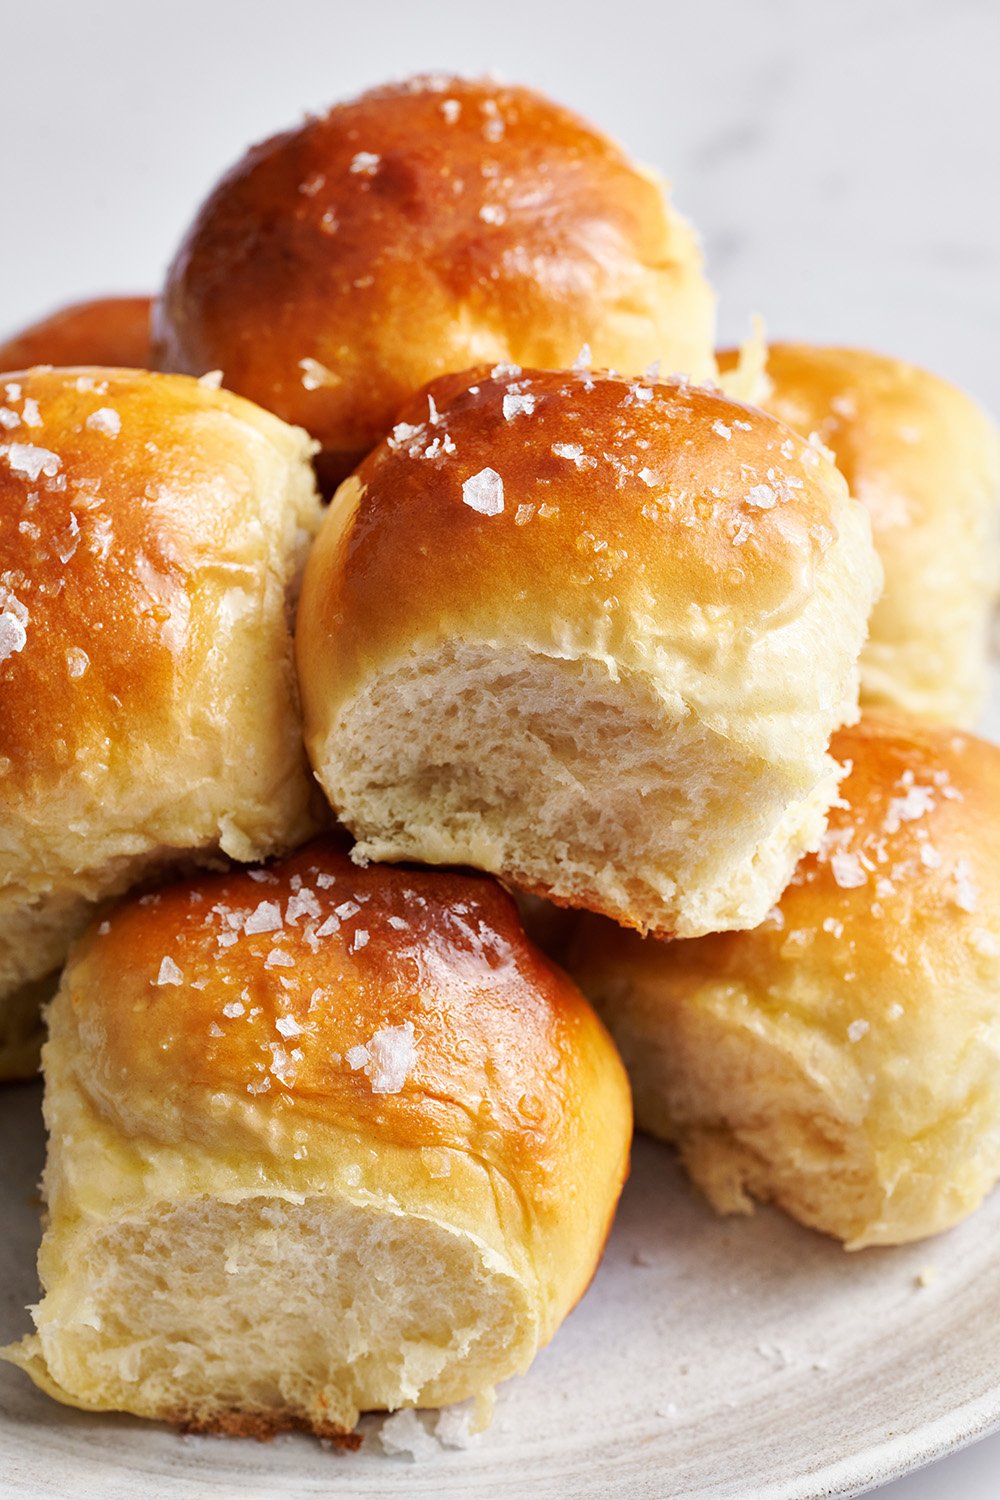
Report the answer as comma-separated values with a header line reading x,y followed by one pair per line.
x,y
322,1140
925,460
104,331
151,534
423,228
591,635
844,1058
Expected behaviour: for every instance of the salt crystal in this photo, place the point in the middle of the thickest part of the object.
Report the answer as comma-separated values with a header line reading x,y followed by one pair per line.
x,y
233,1008
316,375
847,870
493,213
215,1029
835,928
403,433
857,1030
744,530
762,496
524,515
169,973
641,393
484,492
26,459
302,904
649,477
575,453
515,405
288,1026
324,881
347,909
720,427
77,661
966,892
451,109
917,801
453,1426
330,926
583,359
9,419
365,163
210,381
279,958
105,420
387,1058
404,1432
30,414
12,635
400,924
505,372
264,918
360,939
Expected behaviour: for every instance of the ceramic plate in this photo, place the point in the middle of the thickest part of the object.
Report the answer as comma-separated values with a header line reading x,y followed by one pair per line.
x,y
710,1359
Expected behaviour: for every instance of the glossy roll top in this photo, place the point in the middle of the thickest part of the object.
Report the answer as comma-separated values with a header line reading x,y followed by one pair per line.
x,y
656,528
427,227
111,331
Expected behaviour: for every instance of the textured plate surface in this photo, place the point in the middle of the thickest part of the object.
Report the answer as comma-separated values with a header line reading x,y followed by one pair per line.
x,y
711,1359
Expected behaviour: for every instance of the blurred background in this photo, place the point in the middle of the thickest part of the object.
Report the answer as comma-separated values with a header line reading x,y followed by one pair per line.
x,y
842,163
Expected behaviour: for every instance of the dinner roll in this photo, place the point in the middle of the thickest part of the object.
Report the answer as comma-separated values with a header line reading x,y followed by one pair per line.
x,y
105,331
925,460
151,532
591,635
322,1140
844,1058
423,228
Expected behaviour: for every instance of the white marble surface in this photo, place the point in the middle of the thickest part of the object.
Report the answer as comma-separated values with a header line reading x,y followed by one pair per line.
x,y
840,160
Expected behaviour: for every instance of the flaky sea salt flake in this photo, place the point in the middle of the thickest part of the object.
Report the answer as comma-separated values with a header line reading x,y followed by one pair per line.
x,y
105,419
265,917
483,492
31,462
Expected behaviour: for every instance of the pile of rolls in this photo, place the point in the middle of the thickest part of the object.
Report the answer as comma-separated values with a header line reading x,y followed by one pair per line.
x,y
443,699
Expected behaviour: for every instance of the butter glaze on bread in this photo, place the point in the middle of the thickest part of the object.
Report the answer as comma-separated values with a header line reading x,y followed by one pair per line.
x,y
423,228
925,461
591,635
843,1059
323,1140
151,534
112,331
